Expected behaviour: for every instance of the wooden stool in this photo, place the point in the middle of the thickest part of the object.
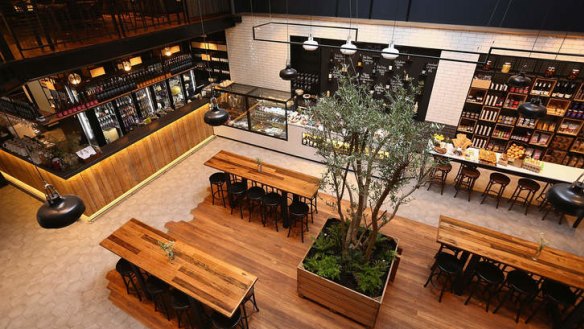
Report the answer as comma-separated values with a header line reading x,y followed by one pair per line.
x,y
217,180
496,179
298,211
524,184
466,180
438,175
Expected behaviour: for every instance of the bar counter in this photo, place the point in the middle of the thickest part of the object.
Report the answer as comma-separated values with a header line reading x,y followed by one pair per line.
x,y
123,164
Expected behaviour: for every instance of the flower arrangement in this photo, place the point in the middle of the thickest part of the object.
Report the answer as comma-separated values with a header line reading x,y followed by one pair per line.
x,y
168,248
542,243
259,162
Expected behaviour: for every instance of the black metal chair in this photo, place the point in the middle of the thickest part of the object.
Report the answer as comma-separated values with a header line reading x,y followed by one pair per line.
x,y
182,307
236,192
217,181
522,287
524,184
271,203
446,265
250,297
128,276
489,275
219,321
556,294
254,196
157,289
298,212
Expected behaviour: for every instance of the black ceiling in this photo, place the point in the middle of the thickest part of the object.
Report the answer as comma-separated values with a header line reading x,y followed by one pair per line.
x,y
553,15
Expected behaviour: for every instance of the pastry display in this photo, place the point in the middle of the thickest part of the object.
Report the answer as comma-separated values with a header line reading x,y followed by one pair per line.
x,y
461,141
487,156
515,152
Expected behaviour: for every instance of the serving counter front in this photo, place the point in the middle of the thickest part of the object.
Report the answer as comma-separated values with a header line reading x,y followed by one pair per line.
x,y
119,169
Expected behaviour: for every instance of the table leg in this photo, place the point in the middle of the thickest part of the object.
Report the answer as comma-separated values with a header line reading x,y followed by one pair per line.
x,y
285,218
463,280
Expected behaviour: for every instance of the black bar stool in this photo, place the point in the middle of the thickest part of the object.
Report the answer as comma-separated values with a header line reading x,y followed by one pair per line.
x,y
466,180
221,322
270,204
445,265
254,196
217,180
157,290
521,286
298,212
557,294
438,175
182,307
488,275
496,179
127,273
236,192
524,184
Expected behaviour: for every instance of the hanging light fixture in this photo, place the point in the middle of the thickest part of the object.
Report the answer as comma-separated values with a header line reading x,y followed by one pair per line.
x,y
288,73
532,109
349,48
519,80
215,116
390,52
74,79
59,210
127,66
310,44
568,198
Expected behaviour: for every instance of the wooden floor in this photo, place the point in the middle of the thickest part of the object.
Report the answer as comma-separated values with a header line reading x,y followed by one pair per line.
x,y
273,258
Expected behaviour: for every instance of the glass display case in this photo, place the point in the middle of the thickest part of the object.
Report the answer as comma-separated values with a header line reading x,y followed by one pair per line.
x,y
260,110
128,113
108,122
161,97
177,92
190,84
144,101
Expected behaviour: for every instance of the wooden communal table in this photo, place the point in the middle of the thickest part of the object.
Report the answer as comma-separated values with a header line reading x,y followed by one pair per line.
x,y
285,180
209,280
479,241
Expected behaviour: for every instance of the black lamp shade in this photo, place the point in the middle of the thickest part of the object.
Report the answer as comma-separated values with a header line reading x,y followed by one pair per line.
x,y
532,109
519,80
288,73
60,212
567,198
216,116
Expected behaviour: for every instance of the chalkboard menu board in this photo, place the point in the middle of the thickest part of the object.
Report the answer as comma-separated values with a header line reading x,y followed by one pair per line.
x,y
370,67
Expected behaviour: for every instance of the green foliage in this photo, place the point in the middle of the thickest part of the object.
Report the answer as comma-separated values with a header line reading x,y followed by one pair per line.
x,y
326,266
370,277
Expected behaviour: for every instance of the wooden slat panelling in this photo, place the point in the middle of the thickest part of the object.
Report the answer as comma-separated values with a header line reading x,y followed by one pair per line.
x,y
105,181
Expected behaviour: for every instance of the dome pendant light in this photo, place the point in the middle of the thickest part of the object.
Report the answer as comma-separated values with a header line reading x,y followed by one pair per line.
x,y
288,73
59,211
310,44
390,52
532,109
519,80
348,48
568,198
215,116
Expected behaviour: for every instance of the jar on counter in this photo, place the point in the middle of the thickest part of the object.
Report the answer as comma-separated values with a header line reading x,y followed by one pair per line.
x,y
488,66
550,71
574,74
506,67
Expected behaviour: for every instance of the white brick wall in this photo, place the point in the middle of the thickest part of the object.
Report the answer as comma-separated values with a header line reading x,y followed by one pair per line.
x,y
258,63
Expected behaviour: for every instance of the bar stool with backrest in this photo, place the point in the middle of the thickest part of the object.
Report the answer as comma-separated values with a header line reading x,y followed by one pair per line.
x,y
298,212
236,191
438,175
217,181
446,265
496,179
128,276
254,197
222,322
522,287
181,306
271,202
524,184
158,289
557,294
466,179
490,275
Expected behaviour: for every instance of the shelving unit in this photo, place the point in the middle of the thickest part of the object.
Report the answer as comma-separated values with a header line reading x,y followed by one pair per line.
x,y
490,118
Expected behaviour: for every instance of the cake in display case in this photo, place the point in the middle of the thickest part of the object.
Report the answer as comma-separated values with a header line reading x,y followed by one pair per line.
x,y
260,110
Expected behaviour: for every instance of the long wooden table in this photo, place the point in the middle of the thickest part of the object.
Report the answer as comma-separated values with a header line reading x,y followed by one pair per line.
x,y
552,263
285,180
209,280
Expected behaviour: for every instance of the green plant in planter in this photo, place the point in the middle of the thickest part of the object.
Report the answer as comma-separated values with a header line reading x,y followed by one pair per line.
x,y
326,266
376,156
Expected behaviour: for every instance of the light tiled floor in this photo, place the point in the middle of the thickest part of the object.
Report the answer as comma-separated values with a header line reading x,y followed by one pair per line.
x,y
56,278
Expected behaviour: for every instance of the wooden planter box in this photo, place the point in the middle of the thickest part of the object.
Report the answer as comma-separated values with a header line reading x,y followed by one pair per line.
x,y
339,299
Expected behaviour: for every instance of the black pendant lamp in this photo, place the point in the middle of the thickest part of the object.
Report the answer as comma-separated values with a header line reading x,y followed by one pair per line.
x,y
216,116
568,198
59,210
532,109
288,73
519,80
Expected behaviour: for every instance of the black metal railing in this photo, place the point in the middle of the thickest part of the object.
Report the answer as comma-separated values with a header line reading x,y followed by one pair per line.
x,y
38,27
